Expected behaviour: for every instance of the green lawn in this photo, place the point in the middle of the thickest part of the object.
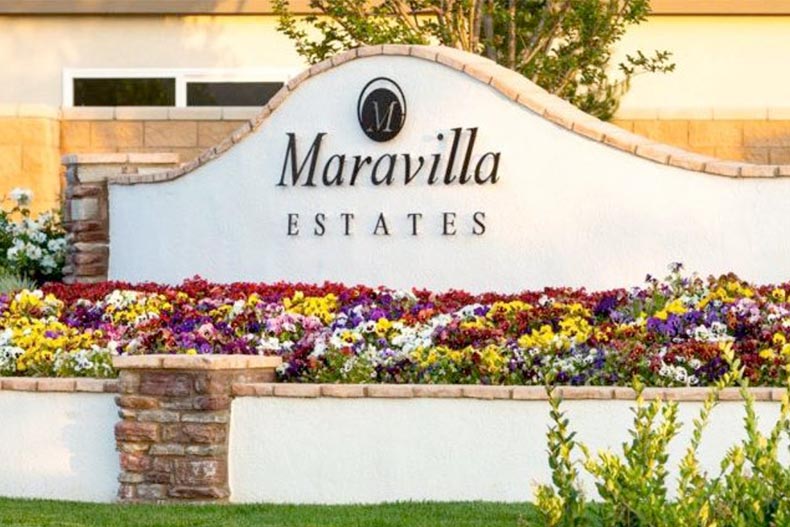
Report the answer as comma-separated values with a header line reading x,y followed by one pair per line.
x,y
60,513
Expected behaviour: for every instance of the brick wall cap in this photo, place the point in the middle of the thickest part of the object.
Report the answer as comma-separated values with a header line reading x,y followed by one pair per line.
x,y
88,113
58,384
128,113
32,110
471,391
372,391
194,362
514,87
141,158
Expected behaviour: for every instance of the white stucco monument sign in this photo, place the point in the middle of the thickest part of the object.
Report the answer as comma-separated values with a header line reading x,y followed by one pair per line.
x,y
415,166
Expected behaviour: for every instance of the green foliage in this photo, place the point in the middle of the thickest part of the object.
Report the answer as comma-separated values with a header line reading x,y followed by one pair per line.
x,y
565,46
10,282
752,487
634,485
562,505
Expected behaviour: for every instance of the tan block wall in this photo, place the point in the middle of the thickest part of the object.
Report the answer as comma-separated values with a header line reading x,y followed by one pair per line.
x,y
34,137
760,141
189,131
183,131
30,155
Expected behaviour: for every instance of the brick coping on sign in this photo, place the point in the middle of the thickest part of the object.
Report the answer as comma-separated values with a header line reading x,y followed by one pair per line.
x,y
120,158
58,384
194,362
396,391
471,391
130,113
508,83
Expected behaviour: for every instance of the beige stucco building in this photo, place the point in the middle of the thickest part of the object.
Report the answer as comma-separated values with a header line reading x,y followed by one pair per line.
x,y
203,60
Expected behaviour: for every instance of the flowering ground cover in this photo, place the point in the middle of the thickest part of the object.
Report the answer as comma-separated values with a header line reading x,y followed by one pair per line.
x,y
669,332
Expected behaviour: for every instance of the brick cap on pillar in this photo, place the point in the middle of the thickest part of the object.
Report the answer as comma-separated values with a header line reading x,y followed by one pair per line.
x,y
112,158
194,362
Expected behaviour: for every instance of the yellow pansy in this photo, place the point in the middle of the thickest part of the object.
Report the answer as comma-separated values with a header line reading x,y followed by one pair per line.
x,y
767,354
477,323
675,307
507,308
383,327
491,358
575,328
538,338
575,309
727,292
321,307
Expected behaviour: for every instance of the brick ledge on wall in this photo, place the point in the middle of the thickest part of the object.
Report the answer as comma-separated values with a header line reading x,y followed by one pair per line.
x,y
159,113
693,113
382,391
58,384
472,391
29,110
130,113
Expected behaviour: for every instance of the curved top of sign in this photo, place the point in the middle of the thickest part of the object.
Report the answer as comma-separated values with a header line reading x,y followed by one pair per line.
x,y
508,83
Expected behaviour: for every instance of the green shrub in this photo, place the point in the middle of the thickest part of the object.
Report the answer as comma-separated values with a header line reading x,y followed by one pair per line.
x,y
752,487
10,282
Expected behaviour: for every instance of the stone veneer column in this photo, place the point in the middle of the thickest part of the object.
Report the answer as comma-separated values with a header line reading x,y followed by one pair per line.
x,y
86,209
175,420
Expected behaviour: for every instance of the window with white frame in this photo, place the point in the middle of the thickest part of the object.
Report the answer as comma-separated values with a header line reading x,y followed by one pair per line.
x,y
171,87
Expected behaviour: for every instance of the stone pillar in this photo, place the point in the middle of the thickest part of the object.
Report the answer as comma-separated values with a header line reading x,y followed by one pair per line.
x,y
86,209
175,422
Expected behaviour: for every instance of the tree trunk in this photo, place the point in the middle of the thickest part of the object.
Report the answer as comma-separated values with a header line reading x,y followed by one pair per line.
x,y
511,34
488,31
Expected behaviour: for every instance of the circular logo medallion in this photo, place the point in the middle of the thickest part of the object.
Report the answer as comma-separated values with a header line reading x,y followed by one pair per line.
x,y
381,109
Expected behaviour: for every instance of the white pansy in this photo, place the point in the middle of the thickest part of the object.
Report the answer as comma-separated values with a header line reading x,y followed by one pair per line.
x,y
319,349
717,332
695,363
121,299
403,295
48,262
268,344
468,311
22,196
56,244
33,252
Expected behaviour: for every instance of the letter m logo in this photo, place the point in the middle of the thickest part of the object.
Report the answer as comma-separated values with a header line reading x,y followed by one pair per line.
x,y
381,109
382,121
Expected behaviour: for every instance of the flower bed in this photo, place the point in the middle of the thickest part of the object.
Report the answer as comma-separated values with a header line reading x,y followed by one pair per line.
x,y
30,247
668,333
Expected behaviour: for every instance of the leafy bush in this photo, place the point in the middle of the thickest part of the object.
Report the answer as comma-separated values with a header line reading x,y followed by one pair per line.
x,y
565,46
751,488
32,248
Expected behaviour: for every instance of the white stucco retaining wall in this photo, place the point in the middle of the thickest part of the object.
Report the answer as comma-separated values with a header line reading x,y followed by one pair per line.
x,y
58,446
566,211
325,450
